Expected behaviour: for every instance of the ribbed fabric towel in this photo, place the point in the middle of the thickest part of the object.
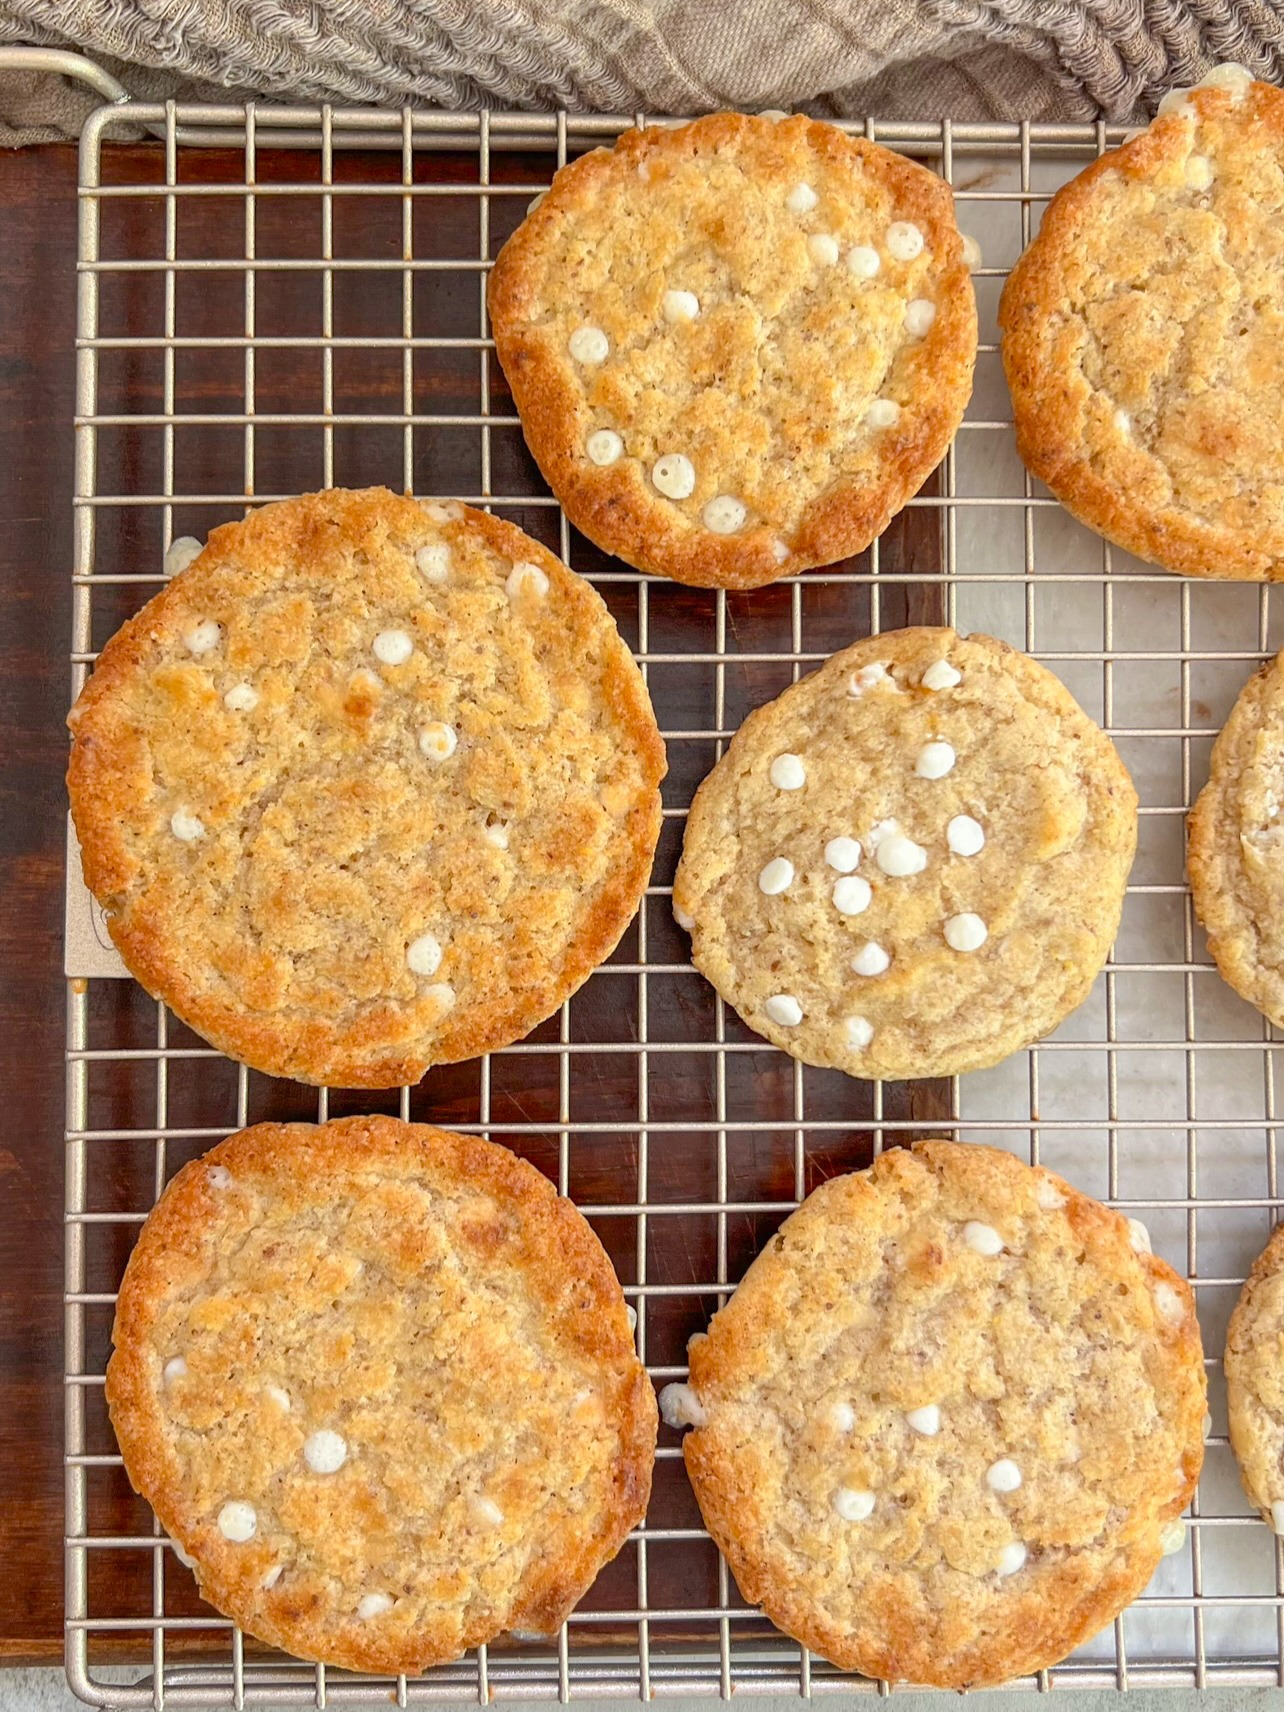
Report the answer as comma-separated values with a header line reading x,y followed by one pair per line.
x,y
1033,59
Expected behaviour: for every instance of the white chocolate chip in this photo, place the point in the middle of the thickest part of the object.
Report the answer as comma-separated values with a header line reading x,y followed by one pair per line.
x,y
186,826
241,698
237,1521
488,1511
1277,1516
1011,1559
843,854
443,994
1169,1303
174,1369
631,1315
443,511
779,551
673,475
1048,1195
863,262
904,241
926,1420
604,447
860,1031
777,876
495,832
920,312
982,1238
1206,1426
433,561
1172,1538
680,306
935,759
180,553
773,113
423,955
1003,1476
788,773
374,1605
1174,102
438,741
940,675
900,856
871,959
271,1577
324,1451
801,199
871,677
823,249
965,836
842,1417
203,636
883,413
853,1504
525,578
681,1407
851,895
684,918
588,345
219,1177
535,201
1122,421
965,932
971,252
1228,75
1199,172
724,514
1139,1237
279,1396
393,647
784,1010
185,1558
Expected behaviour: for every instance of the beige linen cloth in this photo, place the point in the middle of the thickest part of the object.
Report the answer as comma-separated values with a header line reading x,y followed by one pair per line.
x,y
1032,59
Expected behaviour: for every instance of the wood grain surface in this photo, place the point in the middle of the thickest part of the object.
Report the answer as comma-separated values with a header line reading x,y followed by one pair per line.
x,y
37,220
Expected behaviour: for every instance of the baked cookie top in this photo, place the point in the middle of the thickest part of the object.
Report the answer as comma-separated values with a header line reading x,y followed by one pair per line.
x,y
371,786
1235,837
948,1420
1254,1368
378,1383
737,346
1142,336
911,863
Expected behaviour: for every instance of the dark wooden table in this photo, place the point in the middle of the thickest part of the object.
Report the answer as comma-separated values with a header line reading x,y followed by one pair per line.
x,y
37,248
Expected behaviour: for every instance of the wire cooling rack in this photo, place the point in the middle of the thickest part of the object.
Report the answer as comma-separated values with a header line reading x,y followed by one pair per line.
x,y
256,321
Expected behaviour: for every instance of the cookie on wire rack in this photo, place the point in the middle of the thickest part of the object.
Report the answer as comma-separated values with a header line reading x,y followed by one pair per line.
x,y
945,1428
1254,1369
378,1383
370,786
739,346
911,863
1141,336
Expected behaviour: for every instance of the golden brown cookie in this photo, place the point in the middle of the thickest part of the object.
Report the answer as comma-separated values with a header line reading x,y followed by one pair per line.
x,y
738,346
1234,840
1254,1368
911,863
379,1385
371,786
1142,337
945,1426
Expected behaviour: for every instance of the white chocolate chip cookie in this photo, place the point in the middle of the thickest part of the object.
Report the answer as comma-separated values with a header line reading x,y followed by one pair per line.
x,y
371,785
379,1384
1141,336
739,346
1254,1368
984,827
939,1461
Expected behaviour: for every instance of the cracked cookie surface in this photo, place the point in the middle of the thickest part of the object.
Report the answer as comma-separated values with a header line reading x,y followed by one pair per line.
x,y
371,786
378,1382
1142,337
947,1421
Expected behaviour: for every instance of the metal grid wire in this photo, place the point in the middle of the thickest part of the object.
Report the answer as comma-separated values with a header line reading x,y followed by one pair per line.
x,y
1159,1095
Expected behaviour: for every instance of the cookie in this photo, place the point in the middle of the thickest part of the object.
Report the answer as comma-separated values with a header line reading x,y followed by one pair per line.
x,y
379,1385
738,346
1234,839
1254,1368
946,1425
1141,337
913,862
370,786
